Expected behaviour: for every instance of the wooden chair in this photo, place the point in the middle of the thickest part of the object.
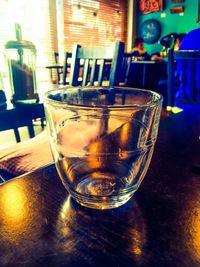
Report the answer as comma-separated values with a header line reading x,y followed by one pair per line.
x,y
91,66
183,77
59,71
66,67
23,116
126,64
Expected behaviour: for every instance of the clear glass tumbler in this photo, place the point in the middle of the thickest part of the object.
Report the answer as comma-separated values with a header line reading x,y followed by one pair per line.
x,y
102,140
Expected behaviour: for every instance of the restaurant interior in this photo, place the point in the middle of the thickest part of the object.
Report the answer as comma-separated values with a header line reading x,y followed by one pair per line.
x,y
54,44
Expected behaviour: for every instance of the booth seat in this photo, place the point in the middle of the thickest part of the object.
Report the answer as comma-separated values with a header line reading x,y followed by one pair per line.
x,y
25,156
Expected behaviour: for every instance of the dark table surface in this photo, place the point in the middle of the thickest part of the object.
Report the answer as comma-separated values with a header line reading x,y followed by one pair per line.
x,y
160,226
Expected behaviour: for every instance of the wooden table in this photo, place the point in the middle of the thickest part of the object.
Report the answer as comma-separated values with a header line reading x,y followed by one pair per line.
x,y
159,227
58,68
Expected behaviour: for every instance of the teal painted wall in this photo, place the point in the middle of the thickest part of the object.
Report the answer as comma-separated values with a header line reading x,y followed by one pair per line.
x,y
171,22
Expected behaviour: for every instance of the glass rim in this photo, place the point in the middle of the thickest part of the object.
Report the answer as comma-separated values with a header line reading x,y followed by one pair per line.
x,y
154,102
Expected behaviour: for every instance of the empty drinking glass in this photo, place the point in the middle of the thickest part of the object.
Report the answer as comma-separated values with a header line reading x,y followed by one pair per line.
x,y
102,140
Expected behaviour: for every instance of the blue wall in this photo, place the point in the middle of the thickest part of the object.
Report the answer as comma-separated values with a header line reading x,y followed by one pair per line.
x,y
171,22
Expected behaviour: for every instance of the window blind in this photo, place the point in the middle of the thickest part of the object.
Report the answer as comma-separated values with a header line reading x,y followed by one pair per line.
x,y
93,23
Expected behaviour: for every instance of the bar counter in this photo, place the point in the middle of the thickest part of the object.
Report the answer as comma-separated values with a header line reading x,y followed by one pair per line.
x,y
40,225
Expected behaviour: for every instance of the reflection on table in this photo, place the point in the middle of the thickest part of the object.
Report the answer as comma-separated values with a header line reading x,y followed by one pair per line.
x,y
42,226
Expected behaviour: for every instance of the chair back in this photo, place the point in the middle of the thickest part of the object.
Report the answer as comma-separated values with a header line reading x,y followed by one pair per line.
x,y
56,57
183,77
66,67
23,116
126,64
91,66
59,71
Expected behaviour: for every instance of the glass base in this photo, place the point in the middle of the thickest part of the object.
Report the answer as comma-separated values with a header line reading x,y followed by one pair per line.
x,y
100,193
102,205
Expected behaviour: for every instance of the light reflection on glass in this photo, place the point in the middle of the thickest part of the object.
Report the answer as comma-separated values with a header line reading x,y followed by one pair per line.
x,y
125,133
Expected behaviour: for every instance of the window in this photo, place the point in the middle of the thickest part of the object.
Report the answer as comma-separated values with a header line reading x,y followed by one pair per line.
x,y
35,20
85,22
91,22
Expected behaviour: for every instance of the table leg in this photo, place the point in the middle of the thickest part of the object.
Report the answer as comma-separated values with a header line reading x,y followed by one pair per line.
x,y
144,76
